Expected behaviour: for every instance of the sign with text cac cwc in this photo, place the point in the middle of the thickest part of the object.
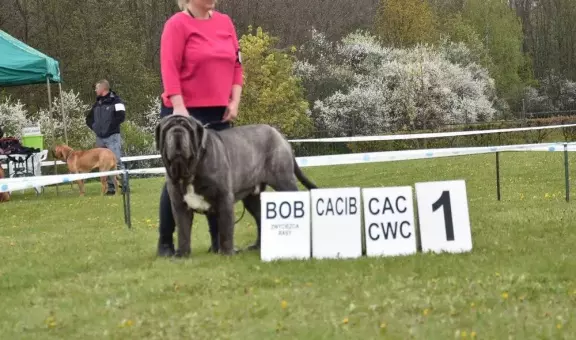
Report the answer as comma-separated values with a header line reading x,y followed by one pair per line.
x,y
327,223
389,221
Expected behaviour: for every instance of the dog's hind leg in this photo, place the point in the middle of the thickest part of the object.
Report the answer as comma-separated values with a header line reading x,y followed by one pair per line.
x,y
115,180
226,225
252,204
284,183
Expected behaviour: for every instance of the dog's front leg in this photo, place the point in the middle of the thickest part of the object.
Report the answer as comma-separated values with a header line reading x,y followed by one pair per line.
x,y
80,183
226,225
183,218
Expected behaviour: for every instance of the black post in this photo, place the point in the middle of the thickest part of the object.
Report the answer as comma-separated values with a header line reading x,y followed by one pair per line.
x,y
124,204
566,172
126,198
56,173
498,175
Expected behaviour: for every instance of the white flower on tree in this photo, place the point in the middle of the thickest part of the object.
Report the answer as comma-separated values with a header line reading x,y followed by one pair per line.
x,y
389,89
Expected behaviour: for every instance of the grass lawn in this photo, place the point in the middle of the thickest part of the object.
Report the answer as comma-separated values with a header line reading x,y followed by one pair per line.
x,y
71,269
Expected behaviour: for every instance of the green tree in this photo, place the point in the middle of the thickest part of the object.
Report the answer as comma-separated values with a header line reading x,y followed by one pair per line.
x,y
457,29
272,94
500,30
403,23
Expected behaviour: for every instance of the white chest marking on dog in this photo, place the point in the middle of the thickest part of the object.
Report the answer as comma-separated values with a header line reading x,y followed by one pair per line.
x,y
194,200
256,190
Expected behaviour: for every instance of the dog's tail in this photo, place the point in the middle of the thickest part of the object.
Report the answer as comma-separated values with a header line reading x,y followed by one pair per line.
x,y
302,178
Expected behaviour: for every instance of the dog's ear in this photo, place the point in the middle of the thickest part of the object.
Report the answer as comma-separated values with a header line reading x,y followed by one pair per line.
x,y
157,137
56,152
203,133
200,132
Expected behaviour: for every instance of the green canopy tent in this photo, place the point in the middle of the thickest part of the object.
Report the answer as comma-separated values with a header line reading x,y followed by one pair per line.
x,y
21,64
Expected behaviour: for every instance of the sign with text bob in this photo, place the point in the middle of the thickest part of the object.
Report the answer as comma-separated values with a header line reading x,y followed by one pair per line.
x,y
285,225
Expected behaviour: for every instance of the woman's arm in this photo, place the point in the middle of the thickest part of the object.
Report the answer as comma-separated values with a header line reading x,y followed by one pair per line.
x,y
237,82
172,45
236,93
238,71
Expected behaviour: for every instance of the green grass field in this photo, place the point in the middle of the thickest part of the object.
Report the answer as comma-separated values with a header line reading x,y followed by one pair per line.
x,y
71,270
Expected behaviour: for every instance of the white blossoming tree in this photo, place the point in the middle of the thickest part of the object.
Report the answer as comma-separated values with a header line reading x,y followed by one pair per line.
x,y
13,117
555,93
52,123
389,89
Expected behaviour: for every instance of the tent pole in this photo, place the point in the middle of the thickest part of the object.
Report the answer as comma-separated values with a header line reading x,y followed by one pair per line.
x,y
62,112
50,103
52,121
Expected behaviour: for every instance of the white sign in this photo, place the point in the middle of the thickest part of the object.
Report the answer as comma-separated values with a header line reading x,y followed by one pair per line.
x,y
389,221
285,222
443,216
31,130
336,223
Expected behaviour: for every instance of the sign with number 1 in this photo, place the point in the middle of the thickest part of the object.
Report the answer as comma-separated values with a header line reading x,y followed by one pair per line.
x,y
443,216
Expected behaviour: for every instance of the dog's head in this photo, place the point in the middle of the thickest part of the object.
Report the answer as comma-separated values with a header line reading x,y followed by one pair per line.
x,y
61,152
180,141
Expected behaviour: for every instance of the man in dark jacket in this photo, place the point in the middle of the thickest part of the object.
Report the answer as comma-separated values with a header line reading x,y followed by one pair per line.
x,y
104,119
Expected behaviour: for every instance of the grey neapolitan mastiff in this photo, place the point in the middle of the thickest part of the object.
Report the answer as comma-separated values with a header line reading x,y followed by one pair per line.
x,y
209,171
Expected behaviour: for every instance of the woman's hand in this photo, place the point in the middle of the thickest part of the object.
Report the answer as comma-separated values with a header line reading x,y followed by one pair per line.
x,y
181,112
231,111
178,105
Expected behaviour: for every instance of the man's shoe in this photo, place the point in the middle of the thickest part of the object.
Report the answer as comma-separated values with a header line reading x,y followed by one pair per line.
x,y
166,250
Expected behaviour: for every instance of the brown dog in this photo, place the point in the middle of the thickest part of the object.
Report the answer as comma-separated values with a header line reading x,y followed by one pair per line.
x,y
4,196
84,161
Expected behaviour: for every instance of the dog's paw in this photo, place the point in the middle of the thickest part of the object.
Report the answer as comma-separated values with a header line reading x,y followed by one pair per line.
x,y
166,250
230,252
254,247
236,250
182,254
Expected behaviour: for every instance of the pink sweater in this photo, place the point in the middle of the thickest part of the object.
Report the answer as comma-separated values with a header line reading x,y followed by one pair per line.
x,y
198,60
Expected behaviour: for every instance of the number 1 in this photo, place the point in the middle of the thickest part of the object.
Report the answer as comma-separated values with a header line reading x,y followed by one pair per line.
x,y
444,201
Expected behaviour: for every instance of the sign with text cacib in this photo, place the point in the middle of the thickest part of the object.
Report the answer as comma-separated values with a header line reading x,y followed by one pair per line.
x,y
285,218
336,223
443,216
389,221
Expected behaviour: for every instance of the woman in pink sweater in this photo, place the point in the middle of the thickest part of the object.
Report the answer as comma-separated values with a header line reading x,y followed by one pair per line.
x,y
202,77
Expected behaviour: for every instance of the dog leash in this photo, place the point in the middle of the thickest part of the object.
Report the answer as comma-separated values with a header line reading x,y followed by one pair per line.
x,y
243,211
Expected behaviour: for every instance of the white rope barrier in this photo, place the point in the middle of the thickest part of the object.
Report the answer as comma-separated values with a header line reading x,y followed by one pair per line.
x,y
425,135
370,139
20,183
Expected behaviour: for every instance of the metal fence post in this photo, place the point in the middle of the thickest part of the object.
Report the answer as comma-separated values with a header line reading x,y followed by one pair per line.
x,y
126,198
566,172
498,194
